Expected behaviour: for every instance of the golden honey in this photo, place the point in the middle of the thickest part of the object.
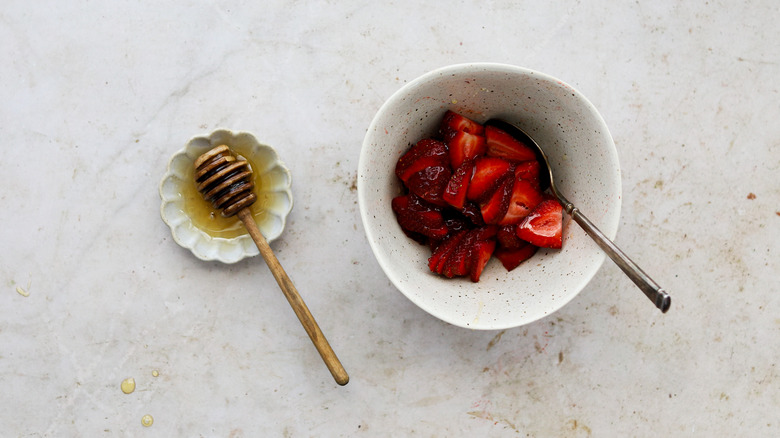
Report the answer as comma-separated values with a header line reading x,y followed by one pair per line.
x,y
128,385
205,217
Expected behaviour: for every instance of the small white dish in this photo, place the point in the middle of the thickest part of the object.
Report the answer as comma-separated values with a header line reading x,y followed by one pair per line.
x,y
585,163
215,238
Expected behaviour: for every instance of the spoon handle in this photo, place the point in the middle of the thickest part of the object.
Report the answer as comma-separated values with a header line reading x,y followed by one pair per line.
x,y
295,300
654,292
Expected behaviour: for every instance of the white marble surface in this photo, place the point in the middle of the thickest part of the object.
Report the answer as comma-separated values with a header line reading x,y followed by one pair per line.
x,y
96,96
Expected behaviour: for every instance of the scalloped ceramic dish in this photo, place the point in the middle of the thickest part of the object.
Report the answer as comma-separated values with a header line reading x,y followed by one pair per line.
x,y
585,164
193,223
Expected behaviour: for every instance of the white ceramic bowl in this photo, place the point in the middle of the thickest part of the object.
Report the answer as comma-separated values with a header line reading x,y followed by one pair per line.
x,y
274,197
585,164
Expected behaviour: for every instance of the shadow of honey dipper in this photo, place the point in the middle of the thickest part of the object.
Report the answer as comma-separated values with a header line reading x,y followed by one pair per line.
x,y
225,182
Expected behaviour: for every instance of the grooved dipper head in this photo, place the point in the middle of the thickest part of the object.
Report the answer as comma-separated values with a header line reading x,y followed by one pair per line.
x,y
224,180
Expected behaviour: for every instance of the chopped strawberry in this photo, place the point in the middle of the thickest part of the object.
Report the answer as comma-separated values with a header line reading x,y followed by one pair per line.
x,y
486,232
457,187
525,196
486,177
414,215
528,170
507,237
475,192
455,223
438,260
464,253
544,226
425,153
482,251
501,144
495,207
454,122
459,259
511,258
472,212
464,146
430,183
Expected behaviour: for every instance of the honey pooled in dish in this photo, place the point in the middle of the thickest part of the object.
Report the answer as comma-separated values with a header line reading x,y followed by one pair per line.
x,y
209,219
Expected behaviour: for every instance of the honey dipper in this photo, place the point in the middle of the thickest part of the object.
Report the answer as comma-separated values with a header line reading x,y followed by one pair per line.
x,y
225,181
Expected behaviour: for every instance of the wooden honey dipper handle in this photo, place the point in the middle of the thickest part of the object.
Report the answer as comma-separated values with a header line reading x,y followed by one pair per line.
x,y
225,182
295,300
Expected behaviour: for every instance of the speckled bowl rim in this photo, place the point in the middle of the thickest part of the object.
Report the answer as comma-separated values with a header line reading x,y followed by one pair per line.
x,y
202,245
411,284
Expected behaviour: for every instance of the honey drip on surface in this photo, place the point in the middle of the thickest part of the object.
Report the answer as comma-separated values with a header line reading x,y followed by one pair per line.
x,y
128,385
210,220
147,420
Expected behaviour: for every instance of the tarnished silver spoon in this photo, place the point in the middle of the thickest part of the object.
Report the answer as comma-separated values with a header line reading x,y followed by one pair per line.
x,y
654,292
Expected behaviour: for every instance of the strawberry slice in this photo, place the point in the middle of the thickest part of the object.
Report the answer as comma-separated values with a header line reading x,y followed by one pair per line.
x,y
481,253
457,187
464,253
430,183
454,122
465,146
511,258
438,259
486,177
495,208
414,215
463,258
425,153
459,260
529,171
501,144
525,196
544,226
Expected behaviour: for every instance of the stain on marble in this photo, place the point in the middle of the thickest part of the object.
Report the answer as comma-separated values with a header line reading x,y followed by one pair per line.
x,y
575,425
495,340
345,177
542,348
353,186
482,409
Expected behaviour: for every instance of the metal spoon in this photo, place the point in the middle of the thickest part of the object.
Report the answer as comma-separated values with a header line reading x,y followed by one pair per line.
x,y
654,292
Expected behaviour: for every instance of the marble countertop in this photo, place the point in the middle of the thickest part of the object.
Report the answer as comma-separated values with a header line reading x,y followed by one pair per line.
x,y
97,95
